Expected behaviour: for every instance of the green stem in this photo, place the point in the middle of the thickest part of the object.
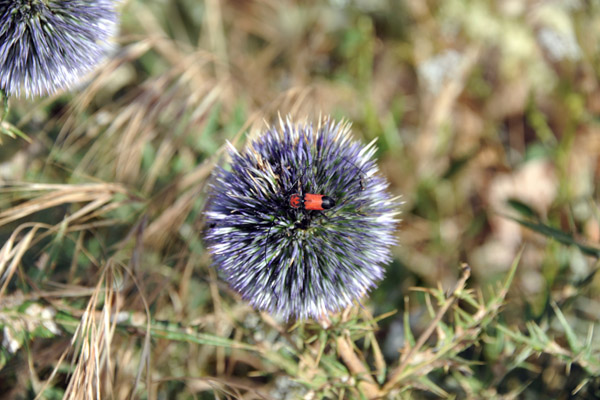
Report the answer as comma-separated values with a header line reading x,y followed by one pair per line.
x,y
4,98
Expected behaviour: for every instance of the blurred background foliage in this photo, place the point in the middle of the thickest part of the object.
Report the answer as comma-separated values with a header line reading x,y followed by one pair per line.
x,y
486,113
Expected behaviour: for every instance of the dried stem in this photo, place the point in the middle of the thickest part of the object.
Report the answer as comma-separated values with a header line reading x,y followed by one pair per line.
x,y
367,384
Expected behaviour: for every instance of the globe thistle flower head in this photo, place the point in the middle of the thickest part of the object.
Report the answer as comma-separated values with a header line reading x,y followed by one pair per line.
x,y
46,45
301,224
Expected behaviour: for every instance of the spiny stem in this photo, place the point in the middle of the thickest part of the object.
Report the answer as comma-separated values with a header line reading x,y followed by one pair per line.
x,y
397,374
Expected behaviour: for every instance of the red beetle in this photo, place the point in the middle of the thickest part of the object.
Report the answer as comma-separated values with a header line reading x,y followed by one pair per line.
x,y
311,201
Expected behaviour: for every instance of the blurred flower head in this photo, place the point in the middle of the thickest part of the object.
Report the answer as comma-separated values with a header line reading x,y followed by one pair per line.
x,y
285,250
46,45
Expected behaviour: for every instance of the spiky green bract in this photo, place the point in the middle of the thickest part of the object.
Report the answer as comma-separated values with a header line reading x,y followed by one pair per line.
x,y
46,45
290,261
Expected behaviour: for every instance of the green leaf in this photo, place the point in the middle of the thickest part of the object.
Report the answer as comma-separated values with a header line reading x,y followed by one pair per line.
x,y
197,337
457,165
557,235
522,208
410,339
571,335
429,384
12,131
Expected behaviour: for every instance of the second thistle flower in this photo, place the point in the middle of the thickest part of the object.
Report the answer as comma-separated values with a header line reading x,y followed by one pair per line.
x,y
46,45
302,223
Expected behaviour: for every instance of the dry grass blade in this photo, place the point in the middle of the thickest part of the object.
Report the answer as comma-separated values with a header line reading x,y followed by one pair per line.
x,y
105,74
64,194
146,350
14,255
12,251
92,374
161,229
161,106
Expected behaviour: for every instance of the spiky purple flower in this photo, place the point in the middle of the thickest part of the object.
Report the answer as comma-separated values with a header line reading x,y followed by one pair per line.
x,y
46,45
292,261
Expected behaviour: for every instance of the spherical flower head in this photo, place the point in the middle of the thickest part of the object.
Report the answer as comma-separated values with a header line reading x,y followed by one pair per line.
x,y
46,45
278,243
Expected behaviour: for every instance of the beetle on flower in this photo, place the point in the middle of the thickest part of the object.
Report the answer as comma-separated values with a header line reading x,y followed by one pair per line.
x,y
302,223
47,45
